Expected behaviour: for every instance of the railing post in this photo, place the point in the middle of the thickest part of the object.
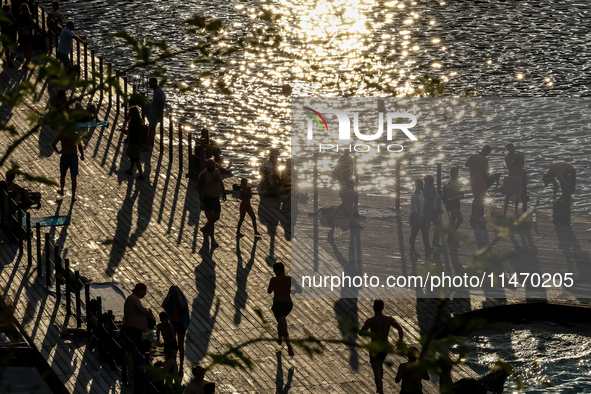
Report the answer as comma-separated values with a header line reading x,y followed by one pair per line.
x,y
77,293
117,95
68,288
439,178
524,196
58,267
101,79
38,233
315,184
125,95
87,303
161,133
180,146
85,60
43,19
99,301
92,66
29,240
19,228
72,55
397,183
190,155
110,87
78,53
47,261
170,136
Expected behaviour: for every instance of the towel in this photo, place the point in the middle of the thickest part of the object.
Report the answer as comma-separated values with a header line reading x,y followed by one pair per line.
x,y
93,124
49,221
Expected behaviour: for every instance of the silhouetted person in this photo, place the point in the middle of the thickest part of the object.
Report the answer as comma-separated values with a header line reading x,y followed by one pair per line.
x,y
16,192
344,174
478,164
561,171
9,29
379,326
68,160
417,223
245,207
210,187
65,45
431,213
156,110
198,383
281,286
411,375
176,305
511,186
270,175
453,193
55,19
60,101
25,32
135,132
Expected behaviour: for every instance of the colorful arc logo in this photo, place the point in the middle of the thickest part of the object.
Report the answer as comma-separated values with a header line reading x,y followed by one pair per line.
x,y
315,115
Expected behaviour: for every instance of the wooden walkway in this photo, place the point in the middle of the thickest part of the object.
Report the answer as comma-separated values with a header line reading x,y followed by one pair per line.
x,y
129,231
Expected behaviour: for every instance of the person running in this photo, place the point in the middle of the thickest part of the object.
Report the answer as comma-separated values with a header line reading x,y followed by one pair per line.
x,y
245,207
210,187
281,286
478,164
561,171
65,45
135,133
25,32
378,327
511,186
156,111
452,204
344,174
177,307
411,375
68,160
417,206
168,335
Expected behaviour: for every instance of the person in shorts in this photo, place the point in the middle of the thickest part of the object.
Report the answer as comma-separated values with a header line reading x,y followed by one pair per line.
x,y
177,307
210,187
378,327
156,111
68,161
281,286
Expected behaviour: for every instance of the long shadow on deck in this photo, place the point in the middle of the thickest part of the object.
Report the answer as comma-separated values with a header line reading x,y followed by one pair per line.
x,y
241,279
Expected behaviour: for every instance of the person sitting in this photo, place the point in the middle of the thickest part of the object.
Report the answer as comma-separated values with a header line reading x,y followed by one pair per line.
x,y
17,193
88,114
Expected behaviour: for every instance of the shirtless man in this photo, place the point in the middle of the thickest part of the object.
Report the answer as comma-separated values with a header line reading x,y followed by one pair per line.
x,y
478,164
69,160
281,286
198,383
379,326
210,187
559,171
410,375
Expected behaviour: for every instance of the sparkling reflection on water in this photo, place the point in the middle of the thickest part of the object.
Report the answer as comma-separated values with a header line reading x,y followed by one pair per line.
x,y
540,352
357,48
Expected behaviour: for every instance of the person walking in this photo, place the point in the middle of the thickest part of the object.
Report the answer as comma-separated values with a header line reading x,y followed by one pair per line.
x,y
511,186
210,186
281,286
378,327
65,45
156,111
344,174
417,205
177,307
135,134
25,32
245,207
478,164
68,161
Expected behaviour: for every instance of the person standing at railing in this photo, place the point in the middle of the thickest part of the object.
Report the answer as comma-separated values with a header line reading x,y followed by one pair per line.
x,y
156,111
25,32
55,19
65,45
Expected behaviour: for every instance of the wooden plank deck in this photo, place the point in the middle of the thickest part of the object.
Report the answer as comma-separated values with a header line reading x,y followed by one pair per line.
x,y
129,231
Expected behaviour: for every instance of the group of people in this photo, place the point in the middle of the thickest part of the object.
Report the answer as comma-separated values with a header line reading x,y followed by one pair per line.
x,y
426,207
